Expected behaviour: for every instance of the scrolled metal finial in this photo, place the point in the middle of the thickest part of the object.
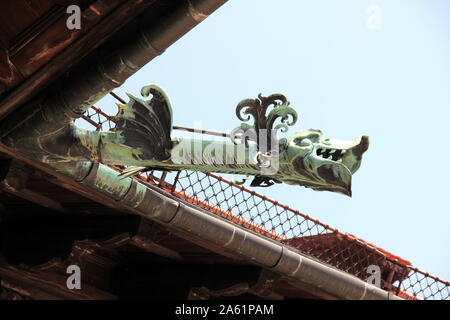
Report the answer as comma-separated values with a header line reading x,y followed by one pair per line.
x,y
257,108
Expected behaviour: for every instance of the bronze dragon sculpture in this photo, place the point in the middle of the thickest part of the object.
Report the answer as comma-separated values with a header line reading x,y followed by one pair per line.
x,y
142,140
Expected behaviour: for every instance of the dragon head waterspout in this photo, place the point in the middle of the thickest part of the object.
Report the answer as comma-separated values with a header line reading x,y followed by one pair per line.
x,y
309,159
142,141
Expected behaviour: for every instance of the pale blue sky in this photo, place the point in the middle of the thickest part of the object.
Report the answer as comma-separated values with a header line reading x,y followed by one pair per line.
x,y
391,83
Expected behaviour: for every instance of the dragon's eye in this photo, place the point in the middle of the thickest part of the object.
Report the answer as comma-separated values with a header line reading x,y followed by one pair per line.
x,y
314,137
302,142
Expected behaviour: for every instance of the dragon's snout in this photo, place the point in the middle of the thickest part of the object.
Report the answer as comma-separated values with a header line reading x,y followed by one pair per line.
x,y
362,147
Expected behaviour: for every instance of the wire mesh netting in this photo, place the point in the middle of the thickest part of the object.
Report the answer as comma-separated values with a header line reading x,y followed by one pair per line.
x,y
272,219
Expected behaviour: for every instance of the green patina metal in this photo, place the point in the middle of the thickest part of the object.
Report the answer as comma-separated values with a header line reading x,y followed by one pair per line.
x,y
142,140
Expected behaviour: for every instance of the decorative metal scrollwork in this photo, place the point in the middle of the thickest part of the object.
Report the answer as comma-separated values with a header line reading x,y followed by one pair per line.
x,y
263,131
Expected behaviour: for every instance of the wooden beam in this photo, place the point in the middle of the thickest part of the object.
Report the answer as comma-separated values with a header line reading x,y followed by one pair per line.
x,y
145,237
15,181
73,53
32,196
46,285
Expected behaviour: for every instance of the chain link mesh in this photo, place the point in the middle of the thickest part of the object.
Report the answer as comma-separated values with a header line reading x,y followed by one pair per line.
x,y
272,219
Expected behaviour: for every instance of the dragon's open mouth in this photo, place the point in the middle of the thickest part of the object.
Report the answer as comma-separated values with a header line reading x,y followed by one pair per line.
x,y
331,154
326,164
